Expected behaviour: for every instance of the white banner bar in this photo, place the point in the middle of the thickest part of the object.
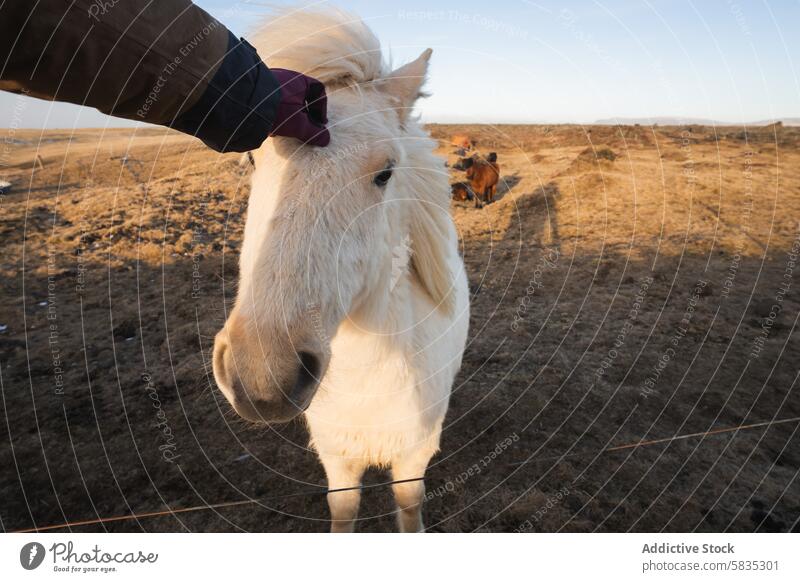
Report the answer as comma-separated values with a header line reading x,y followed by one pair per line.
x,y
351,558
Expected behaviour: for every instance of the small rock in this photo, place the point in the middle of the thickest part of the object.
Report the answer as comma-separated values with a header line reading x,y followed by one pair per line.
x,y
125,330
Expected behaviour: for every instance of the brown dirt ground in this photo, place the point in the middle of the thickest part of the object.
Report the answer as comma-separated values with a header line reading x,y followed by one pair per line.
x,y
117,274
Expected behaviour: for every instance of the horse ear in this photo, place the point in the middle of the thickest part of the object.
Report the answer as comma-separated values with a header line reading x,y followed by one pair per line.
x,y
404,84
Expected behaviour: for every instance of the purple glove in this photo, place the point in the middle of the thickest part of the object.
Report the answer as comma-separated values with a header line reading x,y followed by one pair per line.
x,y
302,112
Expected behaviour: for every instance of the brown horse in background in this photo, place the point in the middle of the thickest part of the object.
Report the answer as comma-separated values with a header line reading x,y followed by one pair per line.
x,y
483,175
461,191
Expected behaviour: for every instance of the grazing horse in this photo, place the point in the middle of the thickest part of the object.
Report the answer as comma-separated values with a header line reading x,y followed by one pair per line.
x,y
483,175
352,306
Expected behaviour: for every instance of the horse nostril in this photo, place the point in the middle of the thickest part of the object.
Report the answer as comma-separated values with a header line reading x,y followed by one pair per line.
x,y
309,368
307,378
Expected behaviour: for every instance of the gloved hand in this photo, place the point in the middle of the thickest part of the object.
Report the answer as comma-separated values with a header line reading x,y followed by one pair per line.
x,y
302,111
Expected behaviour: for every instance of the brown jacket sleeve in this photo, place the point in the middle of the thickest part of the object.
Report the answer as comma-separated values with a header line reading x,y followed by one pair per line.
x,y
161,61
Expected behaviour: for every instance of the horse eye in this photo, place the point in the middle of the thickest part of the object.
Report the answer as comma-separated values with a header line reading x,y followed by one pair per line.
x,y
383,177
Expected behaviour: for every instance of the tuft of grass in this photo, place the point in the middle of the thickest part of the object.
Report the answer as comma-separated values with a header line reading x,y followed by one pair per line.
x,y
593,155
606,154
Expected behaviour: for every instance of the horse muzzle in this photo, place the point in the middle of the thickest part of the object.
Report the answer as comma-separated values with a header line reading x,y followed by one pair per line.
x,y
264,388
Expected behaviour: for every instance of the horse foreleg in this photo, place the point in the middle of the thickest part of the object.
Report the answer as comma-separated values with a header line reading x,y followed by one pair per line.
x,y
409,496
342,474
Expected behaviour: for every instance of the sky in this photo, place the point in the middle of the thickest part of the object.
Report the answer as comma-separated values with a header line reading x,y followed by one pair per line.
x,y
520,61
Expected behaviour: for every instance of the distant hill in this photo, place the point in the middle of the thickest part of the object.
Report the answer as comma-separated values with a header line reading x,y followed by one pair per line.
x,y
666,120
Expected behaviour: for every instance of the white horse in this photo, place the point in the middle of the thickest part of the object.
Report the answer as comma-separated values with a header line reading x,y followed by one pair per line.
x,y
353,303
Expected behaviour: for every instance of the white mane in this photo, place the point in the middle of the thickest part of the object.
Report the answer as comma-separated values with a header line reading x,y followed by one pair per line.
x,y
326,43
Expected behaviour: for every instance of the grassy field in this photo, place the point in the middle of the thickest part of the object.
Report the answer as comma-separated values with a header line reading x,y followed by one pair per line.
x,y
630,284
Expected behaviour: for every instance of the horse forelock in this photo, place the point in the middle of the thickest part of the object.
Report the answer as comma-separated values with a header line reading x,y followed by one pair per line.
x,y
326,43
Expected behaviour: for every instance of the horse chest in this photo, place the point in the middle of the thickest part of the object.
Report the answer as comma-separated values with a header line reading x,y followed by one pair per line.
x,y
374,412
